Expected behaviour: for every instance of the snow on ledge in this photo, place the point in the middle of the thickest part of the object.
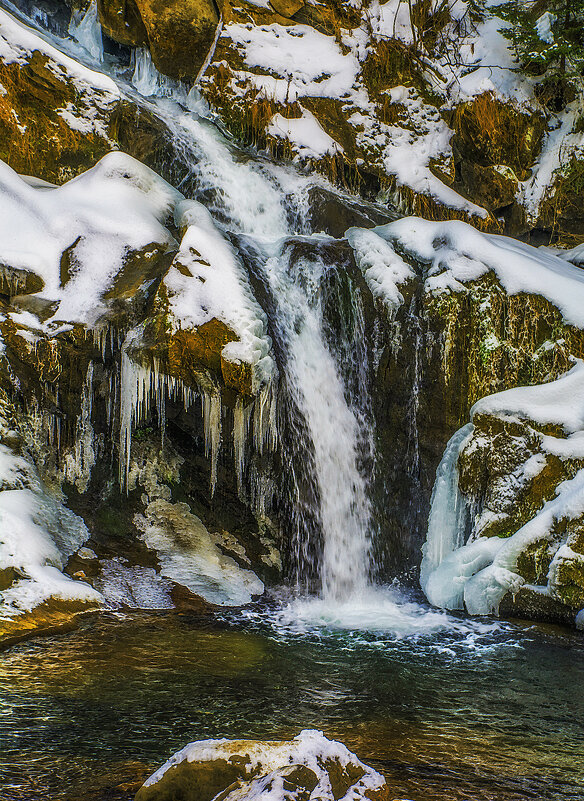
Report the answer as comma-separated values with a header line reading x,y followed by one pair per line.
x,y
456,253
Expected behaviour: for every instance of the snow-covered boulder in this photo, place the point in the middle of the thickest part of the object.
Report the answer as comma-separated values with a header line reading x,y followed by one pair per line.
x,y
307,768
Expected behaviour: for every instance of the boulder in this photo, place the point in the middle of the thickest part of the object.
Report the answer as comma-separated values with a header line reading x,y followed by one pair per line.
x,y
180,33
287,8
307,768
121,21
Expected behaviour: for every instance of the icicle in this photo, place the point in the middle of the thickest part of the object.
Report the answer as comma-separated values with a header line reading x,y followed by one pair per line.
x,y
241,421
79,463
265,433
85,29
212,431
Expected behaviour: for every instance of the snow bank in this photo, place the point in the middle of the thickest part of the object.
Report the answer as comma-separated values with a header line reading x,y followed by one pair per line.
x,y
267,761
117,207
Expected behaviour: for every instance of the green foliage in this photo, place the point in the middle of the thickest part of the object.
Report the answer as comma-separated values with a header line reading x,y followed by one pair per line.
x,y
548,39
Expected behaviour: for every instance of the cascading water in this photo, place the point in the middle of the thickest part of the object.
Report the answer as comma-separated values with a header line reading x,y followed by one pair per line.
x,y
328,467
316,388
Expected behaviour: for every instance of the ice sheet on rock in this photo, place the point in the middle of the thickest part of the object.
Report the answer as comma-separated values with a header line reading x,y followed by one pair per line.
x,y
383,268
457,253
37,534
482,572
560,402
132,586
310,748
448,513
189,555
445,586
116,207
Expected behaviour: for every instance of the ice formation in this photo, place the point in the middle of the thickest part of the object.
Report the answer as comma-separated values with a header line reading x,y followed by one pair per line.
x,y
190,555
37,535
476,575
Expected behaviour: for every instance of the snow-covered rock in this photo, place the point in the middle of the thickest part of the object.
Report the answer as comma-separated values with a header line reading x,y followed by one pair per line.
x,y
308,767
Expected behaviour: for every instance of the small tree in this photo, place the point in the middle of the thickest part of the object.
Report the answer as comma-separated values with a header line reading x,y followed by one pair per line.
x,y
548,39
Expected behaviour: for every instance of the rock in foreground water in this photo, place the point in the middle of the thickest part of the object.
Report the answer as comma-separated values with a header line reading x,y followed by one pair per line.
x,y
308,767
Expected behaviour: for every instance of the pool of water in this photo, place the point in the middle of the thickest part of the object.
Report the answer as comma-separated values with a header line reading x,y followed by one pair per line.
x,y
446,708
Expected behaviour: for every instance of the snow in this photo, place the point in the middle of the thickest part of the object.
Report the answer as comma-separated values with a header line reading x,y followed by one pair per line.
x,y
189,555
311,64
306,135
391,20
207,280
267,759
119,205
383,268
543,26
456,253
559,402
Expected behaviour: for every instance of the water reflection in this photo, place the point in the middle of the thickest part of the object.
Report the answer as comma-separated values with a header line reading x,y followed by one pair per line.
x,y
93,710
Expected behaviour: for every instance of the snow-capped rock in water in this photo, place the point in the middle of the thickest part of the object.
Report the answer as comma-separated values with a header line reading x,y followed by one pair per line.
x,y
308,767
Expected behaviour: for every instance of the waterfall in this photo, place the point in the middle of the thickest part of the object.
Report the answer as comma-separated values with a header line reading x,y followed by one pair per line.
x,y
325,434
339,501
448,511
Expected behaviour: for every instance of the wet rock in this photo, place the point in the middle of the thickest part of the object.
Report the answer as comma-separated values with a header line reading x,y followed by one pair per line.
x,y
121,21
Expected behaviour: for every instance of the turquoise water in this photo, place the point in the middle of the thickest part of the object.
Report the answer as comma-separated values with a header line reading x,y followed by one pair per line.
x,y
469,711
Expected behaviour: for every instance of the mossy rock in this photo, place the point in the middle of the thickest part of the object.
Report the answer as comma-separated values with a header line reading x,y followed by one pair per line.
x,y
491,132
562,210
34,138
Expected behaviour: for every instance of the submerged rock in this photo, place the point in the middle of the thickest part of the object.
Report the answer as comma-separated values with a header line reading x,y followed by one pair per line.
x,y
307,768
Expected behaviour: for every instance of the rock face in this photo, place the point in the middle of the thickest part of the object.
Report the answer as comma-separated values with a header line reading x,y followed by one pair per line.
x,y
308,767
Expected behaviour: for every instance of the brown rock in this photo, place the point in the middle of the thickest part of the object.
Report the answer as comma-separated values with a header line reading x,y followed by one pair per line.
x,y
287,8
180,33
121,21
